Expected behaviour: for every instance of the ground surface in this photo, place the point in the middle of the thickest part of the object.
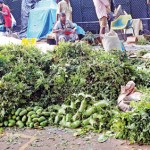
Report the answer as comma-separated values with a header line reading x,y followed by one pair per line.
x,y
59,139
44,46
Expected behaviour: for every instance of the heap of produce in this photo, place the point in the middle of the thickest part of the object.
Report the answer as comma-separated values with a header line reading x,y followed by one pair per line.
x,y
81,111
72,87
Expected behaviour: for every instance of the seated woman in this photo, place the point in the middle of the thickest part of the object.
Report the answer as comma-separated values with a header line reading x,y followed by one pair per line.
x,y
128,94
65,30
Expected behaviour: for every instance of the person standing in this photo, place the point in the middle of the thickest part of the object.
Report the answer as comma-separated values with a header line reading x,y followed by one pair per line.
x,y
64,6
7,17
26,6
102,8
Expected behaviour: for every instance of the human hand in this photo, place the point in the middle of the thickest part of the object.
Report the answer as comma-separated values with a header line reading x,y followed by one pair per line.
x,y
61,30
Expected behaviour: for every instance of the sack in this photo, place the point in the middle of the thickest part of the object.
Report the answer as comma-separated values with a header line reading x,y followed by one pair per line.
x,y
111,41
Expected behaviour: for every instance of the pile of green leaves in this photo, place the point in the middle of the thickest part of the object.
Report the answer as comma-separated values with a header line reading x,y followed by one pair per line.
x,y
143,42
89,37
29,76
20,78
82,111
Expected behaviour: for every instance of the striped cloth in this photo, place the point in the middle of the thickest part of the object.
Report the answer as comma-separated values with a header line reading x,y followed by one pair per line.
x,y
101,7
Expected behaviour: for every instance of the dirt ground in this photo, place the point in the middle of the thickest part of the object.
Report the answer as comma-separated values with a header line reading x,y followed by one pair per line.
x,y
59,139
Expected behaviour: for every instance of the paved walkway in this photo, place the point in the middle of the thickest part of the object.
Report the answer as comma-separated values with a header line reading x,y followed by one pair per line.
x,y
134,47
59,139
44,46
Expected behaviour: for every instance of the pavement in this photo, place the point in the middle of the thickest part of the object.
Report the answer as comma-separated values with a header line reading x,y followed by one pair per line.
x,y
44,46
10,40
52,138
134,47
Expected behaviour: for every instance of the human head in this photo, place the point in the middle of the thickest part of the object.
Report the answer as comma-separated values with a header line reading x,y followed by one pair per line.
x,y
1,3
62,16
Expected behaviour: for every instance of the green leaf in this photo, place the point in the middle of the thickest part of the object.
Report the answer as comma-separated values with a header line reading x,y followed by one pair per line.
x,y
103,138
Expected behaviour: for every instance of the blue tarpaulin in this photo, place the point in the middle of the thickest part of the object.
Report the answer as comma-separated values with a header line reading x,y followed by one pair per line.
x,y
44,20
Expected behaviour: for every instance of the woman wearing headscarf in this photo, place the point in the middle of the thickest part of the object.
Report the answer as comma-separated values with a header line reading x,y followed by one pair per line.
x,y
128,94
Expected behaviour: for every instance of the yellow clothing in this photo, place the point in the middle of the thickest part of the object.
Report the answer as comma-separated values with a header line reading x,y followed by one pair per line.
x,y
66,8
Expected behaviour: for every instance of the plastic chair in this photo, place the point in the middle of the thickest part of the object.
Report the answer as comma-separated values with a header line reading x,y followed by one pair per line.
x,y
123,22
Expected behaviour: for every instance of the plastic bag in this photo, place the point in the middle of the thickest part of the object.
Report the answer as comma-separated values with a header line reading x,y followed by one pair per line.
x,y
111,41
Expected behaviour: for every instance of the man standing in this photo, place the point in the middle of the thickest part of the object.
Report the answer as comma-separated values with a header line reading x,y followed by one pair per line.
x,y
26,6
64,29
102,8
65,7
7,17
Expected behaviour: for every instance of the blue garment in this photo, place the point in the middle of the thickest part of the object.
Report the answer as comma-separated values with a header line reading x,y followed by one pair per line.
x,y
122,47
79,29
